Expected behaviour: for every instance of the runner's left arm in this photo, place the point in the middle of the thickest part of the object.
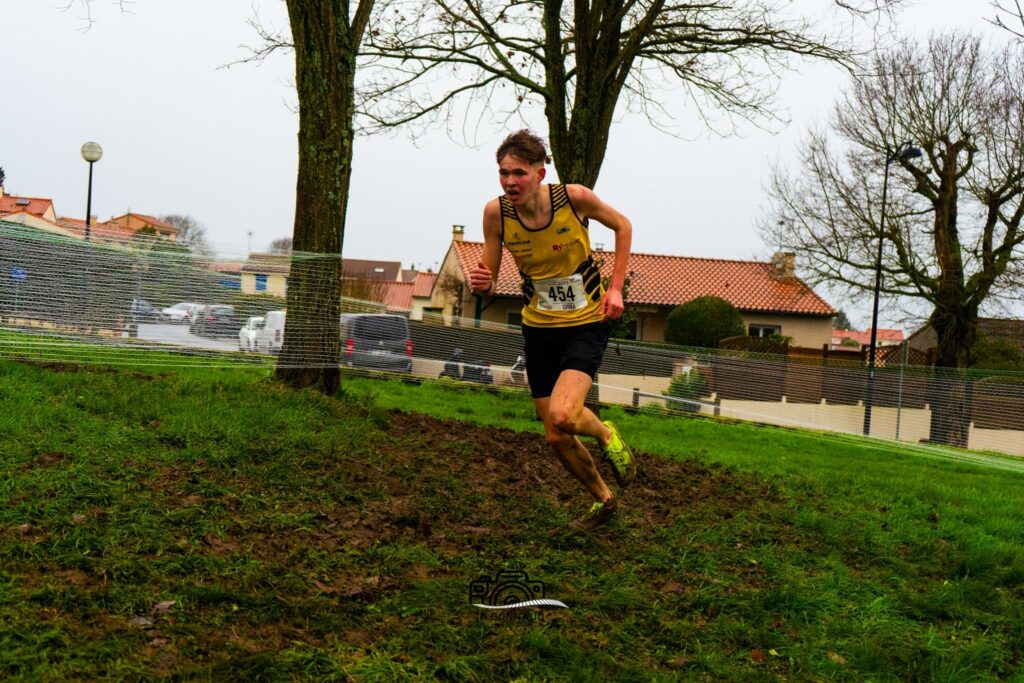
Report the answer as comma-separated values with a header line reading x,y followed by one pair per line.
x,y
589,205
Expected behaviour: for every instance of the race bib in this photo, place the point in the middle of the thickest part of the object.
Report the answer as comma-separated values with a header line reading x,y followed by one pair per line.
x,y
561,293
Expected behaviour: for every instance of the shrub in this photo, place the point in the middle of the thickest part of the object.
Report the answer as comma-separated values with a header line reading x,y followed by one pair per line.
x,y
689,386
704,322
995,353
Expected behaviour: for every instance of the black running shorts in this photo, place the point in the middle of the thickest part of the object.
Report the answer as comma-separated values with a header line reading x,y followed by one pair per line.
x,y
550,350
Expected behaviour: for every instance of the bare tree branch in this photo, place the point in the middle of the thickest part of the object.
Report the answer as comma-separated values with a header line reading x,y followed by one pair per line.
x,y
429,62
1015,15
953,234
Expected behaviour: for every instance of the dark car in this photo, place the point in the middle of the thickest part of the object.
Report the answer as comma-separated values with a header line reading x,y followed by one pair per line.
x,y
139,313
215,321
376,340
144,312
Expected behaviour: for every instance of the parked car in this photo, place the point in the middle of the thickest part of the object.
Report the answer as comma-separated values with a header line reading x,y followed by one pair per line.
x,y
180,313
376,340
270,338
247,335
141,312
144,312
215,321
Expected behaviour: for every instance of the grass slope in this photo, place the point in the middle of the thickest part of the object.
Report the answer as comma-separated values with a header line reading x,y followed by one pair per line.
x,y
208,523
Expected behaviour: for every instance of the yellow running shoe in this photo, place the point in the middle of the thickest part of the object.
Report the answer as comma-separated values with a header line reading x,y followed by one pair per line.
x,y
620,456
598,514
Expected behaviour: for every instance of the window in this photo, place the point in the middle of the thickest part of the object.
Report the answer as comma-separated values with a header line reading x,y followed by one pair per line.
x,y
764,330
380,327
261,283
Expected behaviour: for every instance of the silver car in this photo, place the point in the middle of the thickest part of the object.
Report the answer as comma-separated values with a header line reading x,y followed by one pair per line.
x,y
181,313
247,335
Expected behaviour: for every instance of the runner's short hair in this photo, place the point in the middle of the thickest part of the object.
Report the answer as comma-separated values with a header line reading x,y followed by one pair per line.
x,y
525,145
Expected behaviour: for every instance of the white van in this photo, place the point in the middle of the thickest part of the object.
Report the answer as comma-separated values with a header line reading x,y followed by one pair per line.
x,y
269,339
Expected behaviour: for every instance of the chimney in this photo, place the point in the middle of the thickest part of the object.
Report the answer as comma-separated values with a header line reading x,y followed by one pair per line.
x,y
784,266
457,232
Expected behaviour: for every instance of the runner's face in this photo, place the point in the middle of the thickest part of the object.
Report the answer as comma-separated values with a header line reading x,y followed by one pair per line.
x,y
520,179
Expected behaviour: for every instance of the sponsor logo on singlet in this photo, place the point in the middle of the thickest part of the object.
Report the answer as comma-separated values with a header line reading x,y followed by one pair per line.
x,y
564,245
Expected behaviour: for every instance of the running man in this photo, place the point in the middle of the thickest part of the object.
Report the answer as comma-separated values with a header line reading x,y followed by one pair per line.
x,y
565,328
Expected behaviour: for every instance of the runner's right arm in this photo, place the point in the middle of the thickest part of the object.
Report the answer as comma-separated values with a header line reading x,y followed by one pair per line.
x,y
483,278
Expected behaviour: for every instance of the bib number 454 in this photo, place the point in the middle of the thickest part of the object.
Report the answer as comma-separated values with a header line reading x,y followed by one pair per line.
x,y
562,294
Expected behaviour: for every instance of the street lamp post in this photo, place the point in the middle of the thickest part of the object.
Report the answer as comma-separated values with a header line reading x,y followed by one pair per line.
x,y
92,153
904,151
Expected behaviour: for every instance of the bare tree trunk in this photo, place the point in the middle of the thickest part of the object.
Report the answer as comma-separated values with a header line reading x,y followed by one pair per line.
x,y
950,421
325,67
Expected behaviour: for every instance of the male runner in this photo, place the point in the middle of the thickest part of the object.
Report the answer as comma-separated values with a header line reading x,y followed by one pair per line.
x,y
565,328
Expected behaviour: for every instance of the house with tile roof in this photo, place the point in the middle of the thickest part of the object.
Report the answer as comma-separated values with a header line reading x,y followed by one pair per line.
x,y
769,296
884,337
381,281
423,296
134,222
266,274
99,231
365,269
39,212
33,206
1004,329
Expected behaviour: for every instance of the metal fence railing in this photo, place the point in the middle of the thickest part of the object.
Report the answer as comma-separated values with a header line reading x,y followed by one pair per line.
x,y
56,292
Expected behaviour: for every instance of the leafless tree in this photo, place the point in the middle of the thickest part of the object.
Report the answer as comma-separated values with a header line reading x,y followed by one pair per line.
x,y
952,232
454,61
326,36
1008,17
360,290
458,63
191,233
282,245
86,7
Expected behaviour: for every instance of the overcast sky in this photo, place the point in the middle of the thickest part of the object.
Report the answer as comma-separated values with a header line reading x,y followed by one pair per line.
x,y
180,134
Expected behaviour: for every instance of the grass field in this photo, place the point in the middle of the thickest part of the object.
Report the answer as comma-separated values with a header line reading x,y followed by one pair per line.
x,y
207,523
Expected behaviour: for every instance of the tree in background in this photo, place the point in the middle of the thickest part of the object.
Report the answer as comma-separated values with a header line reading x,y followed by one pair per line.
x,y
326,36
841,322
282,245
996,353
1013,16
468,60
704,322
689,387
953,237
191,233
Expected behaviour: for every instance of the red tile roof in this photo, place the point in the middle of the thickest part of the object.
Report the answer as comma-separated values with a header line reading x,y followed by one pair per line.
x,y
864,337
32,205
267,263
371,270
154,221
424,284
224,266
398,295
151,221
673,280
101,231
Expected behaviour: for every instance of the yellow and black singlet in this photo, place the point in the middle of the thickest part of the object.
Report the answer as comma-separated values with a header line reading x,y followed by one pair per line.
x,y
561,283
